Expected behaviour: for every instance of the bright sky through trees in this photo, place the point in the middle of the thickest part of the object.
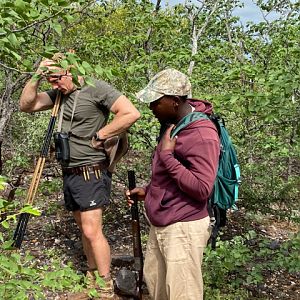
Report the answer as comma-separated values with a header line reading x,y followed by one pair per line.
x,y
250,12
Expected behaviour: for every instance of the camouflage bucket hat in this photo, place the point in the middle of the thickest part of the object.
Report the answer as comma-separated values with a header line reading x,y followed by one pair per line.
x,y
168,82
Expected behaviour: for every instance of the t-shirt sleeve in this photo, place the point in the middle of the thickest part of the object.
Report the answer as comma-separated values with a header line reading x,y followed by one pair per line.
x,y
52,94
106,94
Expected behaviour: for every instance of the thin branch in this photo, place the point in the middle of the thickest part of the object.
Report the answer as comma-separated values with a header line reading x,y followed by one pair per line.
x,y
236,54
24,77
15,70
150,29
207,20
196,34
7,74
157,6
35,23
44,20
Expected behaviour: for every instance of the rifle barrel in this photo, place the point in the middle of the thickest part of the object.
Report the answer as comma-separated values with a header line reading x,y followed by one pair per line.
x,y
136,234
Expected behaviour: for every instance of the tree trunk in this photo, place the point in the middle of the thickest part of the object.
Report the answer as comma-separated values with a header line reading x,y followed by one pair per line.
x,y
197,32
7,104
1,163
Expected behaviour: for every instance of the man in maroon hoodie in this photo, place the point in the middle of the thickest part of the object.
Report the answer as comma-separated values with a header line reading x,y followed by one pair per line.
x,y
183,173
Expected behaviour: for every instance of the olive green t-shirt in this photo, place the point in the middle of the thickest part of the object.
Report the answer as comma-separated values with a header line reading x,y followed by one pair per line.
x,y
91,114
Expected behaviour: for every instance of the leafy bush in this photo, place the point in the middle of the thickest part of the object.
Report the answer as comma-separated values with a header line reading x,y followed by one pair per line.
x,y
20,279
226,265
235,265
10,210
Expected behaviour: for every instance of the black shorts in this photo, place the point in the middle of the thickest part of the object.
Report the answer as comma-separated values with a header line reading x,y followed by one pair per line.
x,y
86,195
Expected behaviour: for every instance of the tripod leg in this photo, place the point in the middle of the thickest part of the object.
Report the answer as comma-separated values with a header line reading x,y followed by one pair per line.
x,y
33,180
20,230
37,180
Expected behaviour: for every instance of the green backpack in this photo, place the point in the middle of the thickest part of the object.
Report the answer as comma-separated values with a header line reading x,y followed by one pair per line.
x,y
226,186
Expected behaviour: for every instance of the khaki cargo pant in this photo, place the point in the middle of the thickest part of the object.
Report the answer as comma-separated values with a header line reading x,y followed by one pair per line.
x,y
172,268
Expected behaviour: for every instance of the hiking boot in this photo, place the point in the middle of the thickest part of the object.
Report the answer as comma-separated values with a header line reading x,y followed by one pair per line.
x,y
97,288
106,293
104,287
99,293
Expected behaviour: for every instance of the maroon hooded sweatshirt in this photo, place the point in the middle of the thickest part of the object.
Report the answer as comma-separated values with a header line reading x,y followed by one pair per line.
x,y
182,181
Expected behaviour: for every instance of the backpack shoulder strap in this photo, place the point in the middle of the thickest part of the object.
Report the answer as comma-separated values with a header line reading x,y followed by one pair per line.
x,y
188,119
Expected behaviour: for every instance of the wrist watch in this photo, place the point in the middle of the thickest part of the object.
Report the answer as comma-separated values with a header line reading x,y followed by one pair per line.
x,y
97,137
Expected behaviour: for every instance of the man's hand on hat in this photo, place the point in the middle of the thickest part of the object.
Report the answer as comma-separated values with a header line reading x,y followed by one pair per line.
x,y
46,67
166,142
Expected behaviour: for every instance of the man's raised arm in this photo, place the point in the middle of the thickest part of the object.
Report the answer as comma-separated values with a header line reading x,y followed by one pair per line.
x,y
31,100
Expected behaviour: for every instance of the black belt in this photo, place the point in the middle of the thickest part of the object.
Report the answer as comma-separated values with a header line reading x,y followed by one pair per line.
x,y
85,170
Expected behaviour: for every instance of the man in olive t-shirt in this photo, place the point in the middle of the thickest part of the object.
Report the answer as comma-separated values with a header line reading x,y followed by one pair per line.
x,y
86,193
91,113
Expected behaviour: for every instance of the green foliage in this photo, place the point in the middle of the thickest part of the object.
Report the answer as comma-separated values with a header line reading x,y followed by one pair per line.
x,y
229,258
24,23
285,257
51,186
21,279
9,211
250,73
5,208
254,83
237,264
25,132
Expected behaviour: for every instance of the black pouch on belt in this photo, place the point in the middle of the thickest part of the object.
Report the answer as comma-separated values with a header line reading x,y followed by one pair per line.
x,y
62,147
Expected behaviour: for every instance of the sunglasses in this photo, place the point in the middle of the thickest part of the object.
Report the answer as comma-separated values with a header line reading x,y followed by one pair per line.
x,y
54,78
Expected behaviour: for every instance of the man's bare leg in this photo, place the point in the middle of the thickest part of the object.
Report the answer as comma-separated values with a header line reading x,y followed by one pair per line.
x,y
95,245
90,257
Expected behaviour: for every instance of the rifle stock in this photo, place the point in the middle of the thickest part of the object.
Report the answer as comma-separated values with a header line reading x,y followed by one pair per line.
x,y
136,234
